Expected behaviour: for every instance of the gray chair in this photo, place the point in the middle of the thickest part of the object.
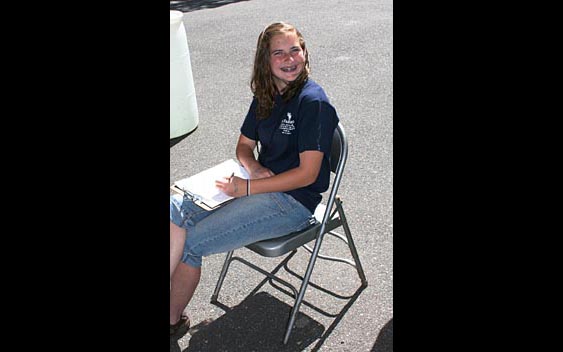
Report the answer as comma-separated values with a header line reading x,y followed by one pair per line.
x,y
332,219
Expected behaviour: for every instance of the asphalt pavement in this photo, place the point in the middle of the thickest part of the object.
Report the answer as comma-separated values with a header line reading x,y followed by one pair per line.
x,y
351,51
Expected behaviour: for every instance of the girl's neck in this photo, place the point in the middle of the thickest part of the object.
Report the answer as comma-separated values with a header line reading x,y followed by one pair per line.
x,y
281,86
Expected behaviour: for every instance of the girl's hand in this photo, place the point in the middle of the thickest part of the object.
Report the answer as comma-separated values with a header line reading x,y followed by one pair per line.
x,y
232,186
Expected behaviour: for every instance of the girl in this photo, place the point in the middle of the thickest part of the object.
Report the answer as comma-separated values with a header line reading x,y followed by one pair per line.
x,y
291,122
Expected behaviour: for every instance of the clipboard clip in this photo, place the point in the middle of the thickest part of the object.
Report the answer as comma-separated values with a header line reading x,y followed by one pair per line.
x,y
191,196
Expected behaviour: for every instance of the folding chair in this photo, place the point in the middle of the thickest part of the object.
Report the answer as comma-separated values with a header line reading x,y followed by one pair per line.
x,y
331,220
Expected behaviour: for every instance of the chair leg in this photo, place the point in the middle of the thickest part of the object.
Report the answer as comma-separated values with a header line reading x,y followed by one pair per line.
x,y
303,288
351,244
222,276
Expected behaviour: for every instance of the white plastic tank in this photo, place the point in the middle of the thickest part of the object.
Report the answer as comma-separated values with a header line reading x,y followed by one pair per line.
x,y
183,105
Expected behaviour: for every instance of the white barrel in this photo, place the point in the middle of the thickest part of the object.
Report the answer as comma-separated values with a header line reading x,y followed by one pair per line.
x,y
183,105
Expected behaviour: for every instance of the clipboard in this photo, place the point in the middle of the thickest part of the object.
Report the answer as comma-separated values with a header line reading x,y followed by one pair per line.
x,y
200,188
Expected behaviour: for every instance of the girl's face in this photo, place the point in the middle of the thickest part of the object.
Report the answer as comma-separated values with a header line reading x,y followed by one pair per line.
x,y
287,59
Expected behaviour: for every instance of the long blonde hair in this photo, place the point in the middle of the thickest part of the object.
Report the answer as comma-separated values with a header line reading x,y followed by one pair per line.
x,y
262,82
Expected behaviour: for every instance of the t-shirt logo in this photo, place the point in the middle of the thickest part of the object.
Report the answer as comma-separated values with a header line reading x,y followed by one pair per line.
x,y
287,125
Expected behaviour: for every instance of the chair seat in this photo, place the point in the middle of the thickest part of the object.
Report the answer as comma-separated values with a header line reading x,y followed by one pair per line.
x,y
282,245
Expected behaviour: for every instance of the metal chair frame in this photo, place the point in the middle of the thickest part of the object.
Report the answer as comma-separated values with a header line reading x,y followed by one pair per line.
x,y
290,243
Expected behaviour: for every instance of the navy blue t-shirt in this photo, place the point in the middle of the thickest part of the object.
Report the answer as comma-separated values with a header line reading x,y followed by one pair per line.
x,y
306,122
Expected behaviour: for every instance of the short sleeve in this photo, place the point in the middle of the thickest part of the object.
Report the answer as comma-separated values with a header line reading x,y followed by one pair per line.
x,y
316,127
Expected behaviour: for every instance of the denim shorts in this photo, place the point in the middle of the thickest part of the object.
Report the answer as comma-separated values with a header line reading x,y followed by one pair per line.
x,y
241,222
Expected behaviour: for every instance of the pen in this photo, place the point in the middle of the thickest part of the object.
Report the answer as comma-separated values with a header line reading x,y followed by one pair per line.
x,y
231,178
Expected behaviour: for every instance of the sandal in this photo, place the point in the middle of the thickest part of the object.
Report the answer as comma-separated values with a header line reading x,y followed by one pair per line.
x,y
180,328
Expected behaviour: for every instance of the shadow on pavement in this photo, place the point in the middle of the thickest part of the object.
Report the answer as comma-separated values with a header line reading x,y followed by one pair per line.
x,y
338,317
193,5
257,324
384,342
267,334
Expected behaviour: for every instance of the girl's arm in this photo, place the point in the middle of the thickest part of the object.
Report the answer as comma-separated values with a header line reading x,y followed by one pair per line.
x,y
264,180
245,155
303,175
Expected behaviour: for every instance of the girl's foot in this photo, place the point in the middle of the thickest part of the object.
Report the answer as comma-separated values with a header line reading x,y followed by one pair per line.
x,y
180,328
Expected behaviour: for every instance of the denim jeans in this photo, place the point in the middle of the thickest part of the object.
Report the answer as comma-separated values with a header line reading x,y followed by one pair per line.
x,y
241,222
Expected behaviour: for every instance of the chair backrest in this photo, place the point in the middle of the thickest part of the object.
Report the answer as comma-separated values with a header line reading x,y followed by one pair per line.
x,y
338,157
339,148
